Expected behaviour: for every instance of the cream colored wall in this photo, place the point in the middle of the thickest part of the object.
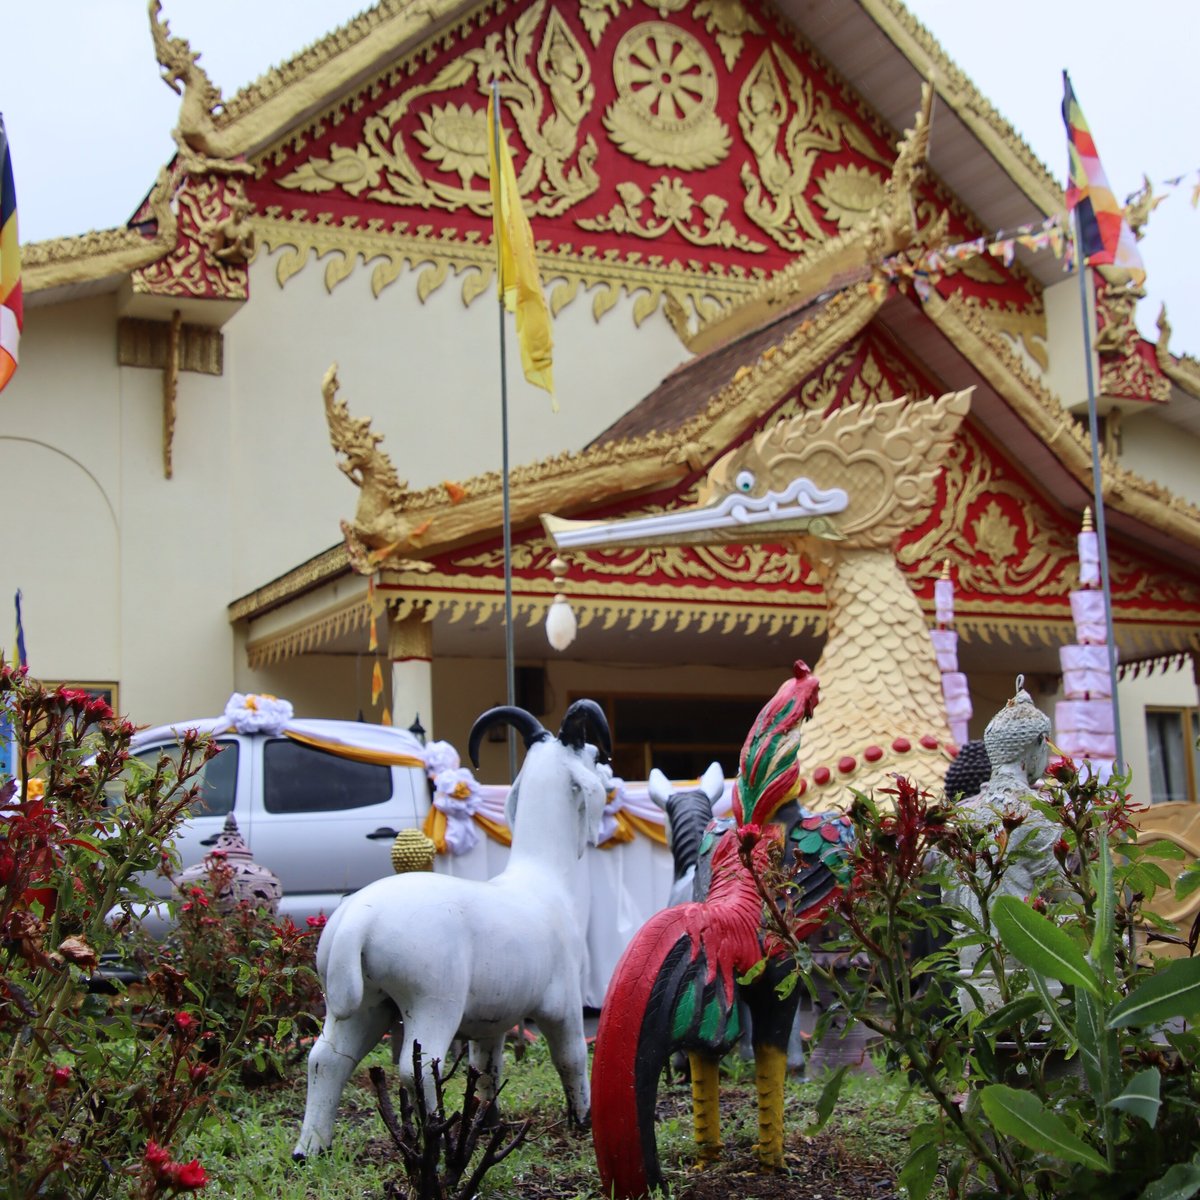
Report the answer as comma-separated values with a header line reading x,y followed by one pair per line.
x,y
125,574
1067,376
1165,453
316,685
59,538
1175,687
427,375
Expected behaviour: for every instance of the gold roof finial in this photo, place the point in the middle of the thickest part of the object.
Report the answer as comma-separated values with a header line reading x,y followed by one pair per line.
x,y
946,570
1087,519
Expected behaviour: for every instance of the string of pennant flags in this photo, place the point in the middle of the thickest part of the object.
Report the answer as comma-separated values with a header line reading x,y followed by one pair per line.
x,y
923,267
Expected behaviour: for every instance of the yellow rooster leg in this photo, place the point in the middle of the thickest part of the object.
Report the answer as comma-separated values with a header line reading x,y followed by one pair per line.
x,y
706,1112
770,1070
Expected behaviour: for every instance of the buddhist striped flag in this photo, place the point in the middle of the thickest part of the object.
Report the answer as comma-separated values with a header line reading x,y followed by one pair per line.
x,y
12,312
1104,233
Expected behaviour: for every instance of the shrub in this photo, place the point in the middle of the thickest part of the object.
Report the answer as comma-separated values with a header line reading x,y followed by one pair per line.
x,y
86,1081
1072,1072
250,972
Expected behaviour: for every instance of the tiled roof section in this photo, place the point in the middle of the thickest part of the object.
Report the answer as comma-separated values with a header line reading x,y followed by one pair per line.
x,y
688,388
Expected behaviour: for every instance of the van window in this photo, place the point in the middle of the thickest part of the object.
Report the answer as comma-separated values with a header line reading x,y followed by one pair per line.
x,y
302,779
215,783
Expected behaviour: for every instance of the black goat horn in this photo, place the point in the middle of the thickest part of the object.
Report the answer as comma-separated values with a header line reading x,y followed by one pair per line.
x,y
526,724
584,718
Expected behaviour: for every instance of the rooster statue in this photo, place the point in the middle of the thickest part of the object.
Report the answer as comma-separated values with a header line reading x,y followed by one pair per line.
x,y
676,984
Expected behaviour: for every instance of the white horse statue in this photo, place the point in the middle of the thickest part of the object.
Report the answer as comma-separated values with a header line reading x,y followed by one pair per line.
x,y
431,957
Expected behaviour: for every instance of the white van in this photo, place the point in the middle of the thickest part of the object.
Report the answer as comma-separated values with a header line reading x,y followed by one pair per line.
x,y
318,804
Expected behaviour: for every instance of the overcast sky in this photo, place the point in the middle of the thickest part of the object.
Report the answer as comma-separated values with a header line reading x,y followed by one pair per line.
x,y
89,119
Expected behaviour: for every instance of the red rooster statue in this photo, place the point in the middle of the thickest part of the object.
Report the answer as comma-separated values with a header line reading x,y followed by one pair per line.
x,y
676,984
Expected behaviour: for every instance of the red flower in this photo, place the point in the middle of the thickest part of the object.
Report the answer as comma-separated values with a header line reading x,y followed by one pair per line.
x,y
60,1077
184,1020
317,922
1062,769
198,1072
157,1157
187,1177
1038,904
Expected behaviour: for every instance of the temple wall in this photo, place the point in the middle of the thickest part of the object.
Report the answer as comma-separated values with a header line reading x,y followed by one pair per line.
x,y
1067,376
427,375
60,539
1172,688
125,574
1162,452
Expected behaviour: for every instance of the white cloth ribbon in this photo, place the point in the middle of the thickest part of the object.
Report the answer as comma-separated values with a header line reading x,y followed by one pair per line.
x,y
258,714
440,756
456,794
613,792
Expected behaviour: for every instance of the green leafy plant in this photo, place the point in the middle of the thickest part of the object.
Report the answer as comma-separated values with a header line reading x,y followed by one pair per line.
x,y
1057,1050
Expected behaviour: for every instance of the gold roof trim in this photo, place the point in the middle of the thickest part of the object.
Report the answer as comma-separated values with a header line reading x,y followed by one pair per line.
x,y
60,262
1041,410
308,634
308,575
420,524
437,255
1183,371
290,92
627,613
975,111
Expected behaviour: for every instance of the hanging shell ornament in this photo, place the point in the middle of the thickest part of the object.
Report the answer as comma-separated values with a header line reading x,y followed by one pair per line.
x,y
561,625
412,851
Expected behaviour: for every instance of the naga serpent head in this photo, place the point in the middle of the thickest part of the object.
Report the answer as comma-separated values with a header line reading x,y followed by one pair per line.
x,y
863,473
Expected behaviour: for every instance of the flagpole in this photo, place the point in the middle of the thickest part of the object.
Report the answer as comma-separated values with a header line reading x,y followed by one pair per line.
x,y
1098,492
510,674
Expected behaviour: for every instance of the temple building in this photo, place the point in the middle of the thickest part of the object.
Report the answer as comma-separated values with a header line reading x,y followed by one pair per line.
x,y
745,213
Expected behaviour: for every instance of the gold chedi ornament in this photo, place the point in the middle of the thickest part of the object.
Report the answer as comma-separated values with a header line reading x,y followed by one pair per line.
x,y
412,851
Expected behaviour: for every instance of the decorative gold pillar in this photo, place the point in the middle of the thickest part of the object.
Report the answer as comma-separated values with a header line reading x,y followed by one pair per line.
x,y
410,648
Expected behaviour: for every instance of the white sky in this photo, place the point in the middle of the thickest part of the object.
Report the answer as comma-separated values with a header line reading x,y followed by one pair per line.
x,y
89,119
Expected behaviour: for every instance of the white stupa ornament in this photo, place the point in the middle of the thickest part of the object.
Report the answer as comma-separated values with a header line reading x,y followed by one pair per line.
x,y
945,645
1084,720
561,625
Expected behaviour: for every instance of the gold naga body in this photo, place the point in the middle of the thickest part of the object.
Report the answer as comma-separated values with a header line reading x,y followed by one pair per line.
x,y
842,487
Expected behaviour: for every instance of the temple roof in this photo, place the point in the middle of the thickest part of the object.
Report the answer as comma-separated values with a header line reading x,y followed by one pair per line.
x,y
876,44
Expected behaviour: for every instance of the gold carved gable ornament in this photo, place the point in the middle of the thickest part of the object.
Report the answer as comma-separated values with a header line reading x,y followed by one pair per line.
x,y
680,151
1012,553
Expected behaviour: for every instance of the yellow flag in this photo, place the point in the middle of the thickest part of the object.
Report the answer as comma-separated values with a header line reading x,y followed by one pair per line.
x,y
376,683
517,272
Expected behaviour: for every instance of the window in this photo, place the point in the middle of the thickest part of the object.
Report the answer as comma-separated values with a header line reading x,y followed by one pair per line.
x,y
302,779
216,782
1171,735
680,735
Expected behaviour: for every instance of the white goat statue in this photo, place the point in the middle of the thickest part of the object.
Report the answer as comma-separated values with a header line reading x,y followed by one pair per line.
x,y
431,957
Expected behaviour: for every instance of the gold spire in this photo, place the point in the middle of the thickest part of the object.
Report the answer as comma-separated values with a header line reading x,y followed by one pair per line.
x,y
1087,519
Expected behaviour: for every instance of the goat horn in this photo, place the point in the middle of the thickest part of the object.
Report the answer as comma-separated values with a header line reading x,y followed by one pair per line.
x,y
585,717
526,724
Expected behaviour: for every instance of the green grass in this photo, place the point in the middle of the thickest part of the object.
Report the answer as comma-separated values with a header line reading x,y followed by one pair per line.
x,y
246,1149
